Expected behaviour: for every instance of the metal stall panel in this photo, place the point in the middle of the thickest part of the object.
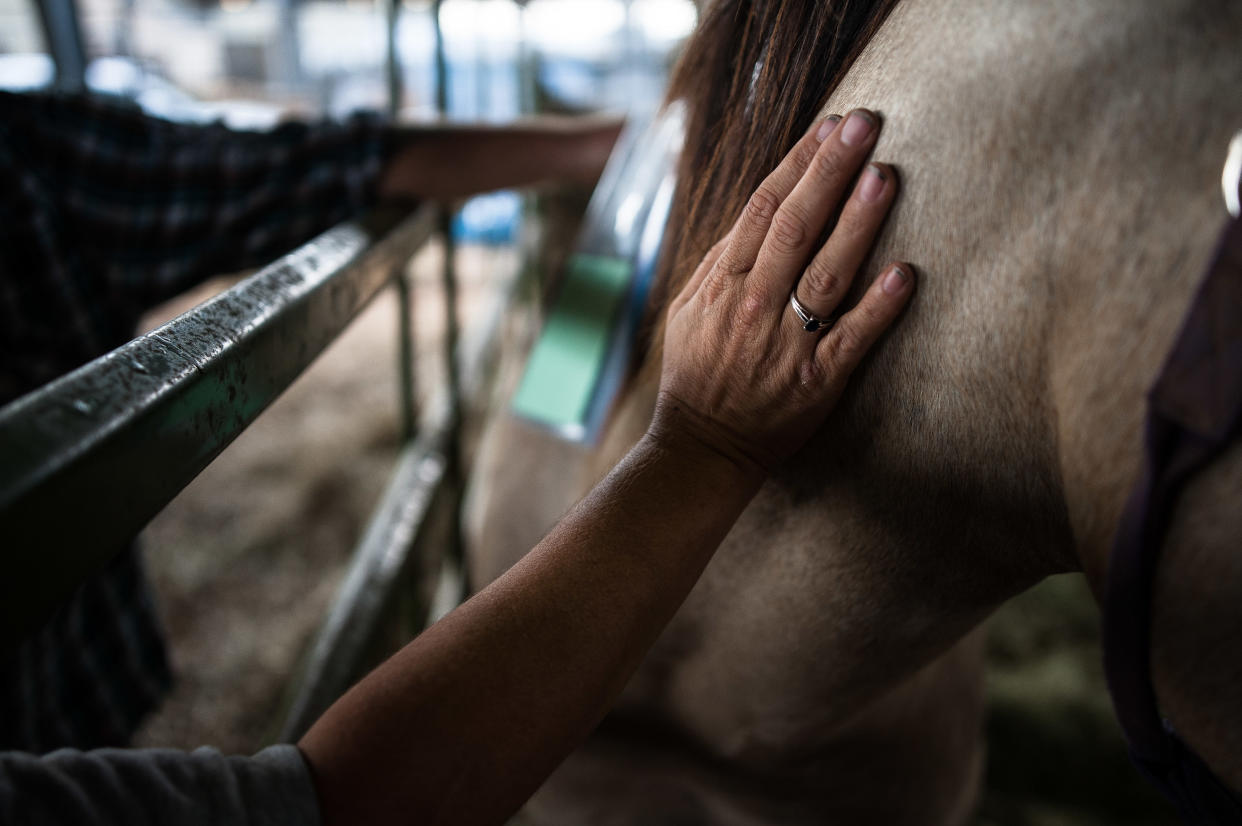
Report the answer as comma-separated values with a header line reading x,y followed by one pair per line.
x,y
86,461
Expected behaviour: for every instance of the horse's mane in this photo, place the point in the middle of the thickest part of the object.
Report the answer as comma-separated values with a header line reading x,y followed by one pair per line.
x,y
753,77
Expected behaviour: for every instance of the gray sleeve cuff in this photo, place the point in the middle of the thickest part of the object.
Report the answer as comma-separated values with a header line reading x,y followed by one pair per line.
x,y
288,790
157,786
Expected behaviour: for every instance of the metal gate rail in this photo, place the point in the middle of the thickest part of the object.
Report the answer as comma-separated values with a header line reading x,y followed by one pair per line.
x,y
89,459
405,541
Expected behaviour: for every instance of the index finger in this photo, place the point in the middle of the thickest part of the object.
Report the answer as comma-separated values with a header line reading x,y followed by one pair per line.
x,y
797,225
752,225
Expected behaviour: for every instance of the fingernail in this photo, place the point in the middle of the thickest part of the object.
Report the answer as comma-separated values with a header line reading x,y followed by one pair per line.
x,y
857,127
895,281
825,128
872,184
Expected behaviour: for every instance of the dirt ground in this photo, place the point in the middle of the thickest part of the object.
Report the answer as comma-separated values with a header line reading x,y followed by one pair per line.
x,y
247,559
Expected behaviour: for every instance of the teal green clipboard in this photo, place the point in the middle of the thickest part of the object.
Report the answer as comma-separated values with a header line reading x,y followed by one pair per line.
x,y
566,363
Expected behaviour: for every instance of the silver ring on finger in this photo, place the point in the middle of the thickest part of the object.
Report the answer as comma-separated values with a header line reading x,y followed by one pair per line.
x,y
809,321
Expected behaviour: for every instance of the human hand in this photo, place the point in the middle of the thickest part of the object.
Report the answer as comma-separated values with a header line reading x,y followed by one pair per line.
x,y
742,373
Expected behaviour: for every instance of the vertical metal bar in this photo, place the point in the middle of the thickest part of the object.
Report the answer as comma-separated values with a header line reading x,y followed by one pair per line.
x,y
63,35
124,30
407,378
453,471
451,329
525,65
288,47
392,63
441,60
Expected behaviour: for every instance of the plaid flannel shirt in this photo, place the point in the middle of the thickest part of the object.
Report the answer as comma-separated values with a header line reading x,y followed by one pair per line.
x,y
105,212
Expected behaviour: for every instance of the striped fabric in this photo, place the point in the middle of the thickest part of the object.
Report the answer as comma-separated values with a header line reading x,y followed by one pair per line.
x,y
105,212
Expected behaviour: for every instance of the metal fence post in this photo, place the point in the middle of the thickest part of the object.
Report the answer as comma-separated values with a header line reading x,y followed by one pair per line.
x,y
407,377
63,34
453,472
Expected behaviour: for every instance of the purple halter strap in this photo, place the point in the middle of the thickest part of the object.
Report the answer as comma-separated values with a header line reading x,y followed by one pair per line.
x,y
1194,412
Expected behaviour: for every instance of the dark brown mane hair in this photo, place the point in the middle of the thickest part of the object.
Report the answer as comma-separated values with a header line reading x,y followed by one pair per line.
x,y
753,77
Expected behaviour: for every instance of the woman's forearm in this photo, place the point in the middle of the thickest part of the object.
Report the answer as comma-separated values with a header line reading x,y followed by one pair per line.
x,y
464,723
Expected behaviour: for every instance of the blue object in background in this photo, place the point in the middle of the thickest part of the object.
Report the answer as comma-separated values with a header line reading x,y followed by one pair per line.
x,y
489,219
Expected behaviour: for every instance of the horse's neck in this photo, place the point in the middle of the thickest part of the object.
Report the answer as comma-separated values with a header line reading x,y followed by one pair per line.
x,y
1060,165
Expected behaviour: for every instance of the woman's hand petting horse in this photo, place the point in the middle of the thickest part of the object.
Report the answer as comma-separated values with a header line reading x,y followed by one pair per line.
x,y
742,371
467,721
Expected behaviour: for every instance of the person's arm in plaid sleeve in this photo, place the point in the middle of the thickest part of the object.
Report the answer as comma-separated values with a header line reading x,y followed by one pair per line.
x,y
163,205
154,206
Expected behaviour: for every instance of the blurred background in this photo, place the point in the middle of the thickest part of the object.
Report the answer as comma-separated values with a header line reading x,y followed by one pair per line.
x,y
249,60
248,558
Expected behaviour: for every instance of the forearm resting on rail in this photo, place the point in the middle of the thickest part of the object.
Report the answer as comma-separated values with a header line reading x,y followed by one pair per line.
x,y
453,161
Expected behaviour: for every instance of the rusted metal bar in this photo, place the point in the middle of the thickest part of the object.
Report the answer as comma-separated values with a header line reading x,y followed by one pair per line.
x,y
88,460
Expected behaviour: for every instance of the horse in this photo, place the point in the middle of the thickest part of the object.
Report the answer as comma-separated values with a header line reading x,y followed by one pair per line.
x,y
1059,166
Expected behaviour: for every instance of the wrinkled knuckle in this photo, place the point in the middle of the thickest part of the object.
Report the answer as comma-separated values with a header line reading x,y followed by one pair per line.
x,y
826,167
711,256
852,224
811,379
789,230
848,346
731,264
751,312
871,314
762,206
805,150
822,279
708,292
804,155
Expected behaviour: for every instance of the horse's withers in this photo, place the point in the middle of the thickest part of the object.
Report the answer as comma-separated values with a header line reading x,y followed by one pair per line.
x,y
1058,164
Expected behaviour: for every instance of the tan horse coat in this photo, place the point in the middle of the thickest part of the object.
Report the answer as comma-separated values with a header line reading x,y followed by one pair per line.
x,y
1060,165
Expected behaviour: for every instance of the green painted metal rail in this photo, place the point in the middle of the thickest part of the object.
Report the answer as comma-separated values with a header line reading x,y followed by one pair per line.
x,y
88,460
407,547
